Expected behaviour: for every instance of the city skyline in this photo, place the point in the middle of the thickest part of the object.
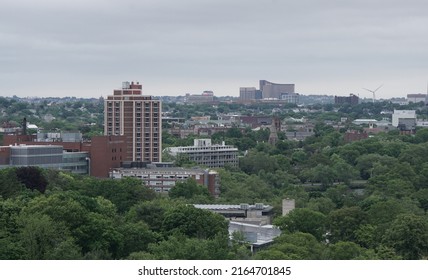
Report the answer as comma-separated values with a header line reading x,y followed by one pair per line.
x,y
86,48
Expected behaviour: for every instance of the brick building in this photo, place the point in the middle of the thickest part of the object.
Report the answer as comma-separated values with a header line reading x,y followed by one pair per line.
x,y
139,118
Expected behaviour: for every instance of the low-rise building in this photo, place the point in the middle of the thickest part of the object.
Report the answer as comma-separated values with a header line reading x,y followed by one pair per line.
x,y
102,153
207,97
44,156
162,179
256,214
203,152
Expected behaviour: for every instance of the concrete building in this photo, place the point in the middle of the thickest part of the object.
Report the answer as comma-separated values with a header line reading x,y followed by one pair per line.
x,y
203,152
139,118
249,93
273,90
290,97
256,214
258,236
252,221
403,115
162,179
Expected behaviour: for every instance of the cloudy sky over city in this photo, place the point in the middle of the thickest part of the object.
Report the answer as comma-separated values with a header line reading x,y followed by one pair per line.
x,y
86,48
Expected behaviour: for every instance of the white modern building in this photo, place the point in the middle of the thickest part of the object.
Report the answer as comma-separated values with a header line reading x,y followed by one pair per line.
x,y
203,152
403,116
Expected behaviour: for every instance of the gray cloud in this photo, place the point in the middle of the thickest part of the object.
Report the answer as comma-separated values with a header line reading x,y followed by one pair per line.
x,y
86,48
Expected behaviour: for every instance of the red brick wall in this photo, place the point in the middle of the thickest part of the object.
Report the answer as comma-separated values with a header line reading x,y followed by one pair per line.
x,y
107,152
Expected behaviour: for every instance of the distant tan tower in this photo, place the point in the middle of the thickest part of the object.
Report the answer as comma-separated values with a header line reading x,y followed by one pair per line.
x,y
127,112
288,205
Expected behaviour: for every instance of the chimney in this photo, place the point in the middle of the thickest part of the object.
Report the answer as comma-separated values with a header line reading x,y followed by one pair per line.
x,y
24,126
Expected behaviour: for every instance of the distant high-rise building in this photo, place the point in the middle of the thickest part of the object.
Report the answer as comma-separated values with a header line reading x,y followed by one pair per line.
x,y
139,118
247,93
269,91
272,90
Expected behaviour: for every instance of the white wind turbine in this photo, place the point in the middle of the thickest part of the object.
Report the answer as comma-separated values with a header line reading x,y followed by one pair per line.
x,y
374,92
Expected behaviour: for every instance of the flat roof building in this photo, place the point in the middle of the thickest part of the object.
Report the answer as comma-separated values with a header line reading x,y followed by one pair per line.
x,y
162,179
203,152
34,155
44,156
139,118
352,99
207,97
403,115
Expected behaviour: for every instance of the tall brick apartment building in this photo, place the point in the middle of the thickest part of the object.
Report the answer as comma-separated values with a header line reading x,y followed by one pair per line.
x,y
139,118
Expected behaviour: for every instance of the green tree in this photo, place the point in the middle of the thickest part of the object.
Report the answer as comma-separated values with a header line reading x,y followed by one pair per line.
x,y
294,246
32,177
408,235
255,161
322,174
136,238
193,222
345,250
124,193
321,204
188,189
344,222
10,186
43,238
151,213
184,248
422,197
344,171
303,220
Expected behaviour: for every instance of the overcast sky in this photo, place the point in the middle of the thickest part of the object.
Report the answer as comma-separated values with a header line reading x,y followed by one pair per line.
x,y
86,48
